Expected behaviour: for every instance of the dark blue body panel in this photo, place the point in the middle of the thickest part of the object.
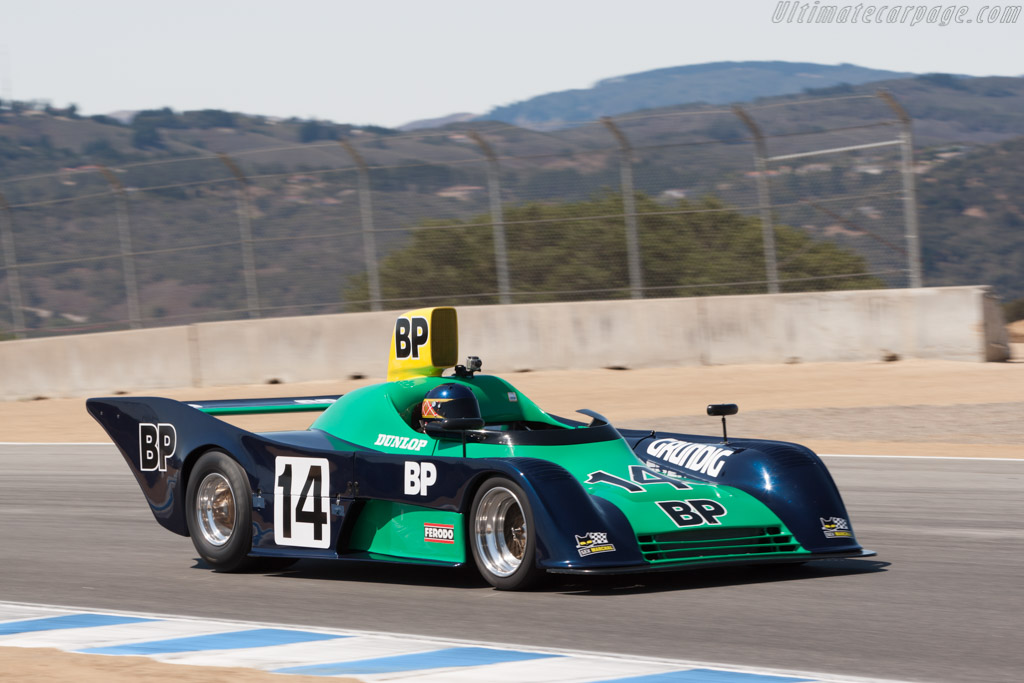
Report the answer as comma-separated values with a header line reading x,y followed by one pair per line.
x,y
161,439
561,506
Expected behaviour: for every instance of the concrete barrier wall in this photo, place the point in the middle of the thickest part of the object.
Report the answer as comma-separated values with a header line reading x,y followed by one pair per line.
x,y
87,363
955,323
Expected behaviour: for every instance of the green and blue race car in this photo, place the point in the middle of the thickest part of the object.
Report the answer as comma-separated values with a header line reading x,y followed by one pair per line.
x,y
436,469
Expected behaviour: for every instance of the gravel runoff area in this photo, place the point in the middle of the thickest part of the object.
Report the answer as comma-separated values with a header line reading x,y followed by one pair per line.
x,y
909,407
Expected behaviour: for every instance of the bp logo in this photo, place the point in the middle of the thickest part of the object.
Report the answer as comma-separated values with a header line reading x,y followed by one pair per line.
x,y
157,443
410,335
593,542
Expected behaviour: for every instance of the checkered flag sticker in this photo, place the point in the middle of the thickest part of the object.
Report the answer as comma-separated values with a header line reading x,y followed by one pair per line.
x,y
598,537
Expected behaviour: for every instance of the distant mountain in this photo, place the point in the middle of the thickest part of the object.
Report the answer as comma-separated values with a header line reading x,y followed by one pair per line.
x,y
438,122
713,83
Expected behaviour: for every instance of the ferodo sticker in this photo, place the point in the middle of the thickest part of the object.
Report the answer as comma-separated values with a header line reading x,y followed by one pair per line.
x,y
592,543
438,533
835,527
156,445
702,458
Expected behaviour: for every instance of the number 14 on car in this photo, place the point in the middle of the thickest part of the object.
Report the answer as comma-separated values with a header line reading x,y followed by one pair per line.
x,y
300,505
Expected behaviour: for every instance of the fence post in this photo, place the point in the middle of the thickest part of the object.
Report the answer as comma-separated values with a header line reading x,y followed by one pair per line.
x,y
245,230
636,277
909,192
764,201
11,266
124,231
366,214
497,218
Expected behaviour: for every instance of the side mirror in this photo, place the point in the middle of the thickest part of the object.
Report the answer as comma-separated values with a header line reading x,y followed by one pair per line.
x,y
723,409
453,424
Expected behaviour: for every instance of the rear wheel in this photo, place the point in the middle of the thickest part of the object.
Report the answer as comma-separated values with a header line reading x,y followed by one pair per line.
x,y
219,512
502,535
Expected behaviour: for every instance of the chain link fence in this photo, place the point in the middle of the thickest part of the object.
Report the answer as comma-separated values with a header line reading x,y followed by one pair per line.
x,y
804,195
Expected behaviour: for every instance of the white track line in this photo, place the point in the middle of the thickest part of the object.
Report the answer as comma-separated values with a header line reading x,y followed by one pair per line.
x,y
618,665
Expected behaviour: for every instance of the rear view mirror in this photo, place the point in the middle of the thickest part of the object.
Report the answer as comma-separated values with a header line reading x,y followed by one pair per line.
x,y
723,409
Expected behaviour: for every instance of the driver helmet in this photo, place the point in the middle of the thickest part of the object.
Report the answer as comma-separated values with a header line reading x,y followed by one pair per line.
x,y
446,401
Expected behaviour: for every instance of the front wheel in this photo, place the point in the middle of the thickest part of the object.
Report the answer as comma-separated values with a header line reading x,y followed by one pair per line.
x,y
219,512
502,535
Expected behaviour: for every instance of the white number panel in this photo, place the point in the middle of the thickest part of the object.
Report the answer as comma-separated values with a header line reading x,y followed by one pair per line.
x,y
302,510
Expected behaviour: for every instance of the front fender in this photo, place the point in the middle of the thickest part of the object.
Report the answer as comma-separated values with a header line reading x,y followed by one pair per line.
x,y
565,515
790,479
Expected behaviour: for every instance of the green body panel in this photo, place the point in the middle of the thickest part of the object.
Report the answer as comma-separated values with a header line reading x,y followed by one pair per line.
x,y
397,530
641,508
363,415
367,415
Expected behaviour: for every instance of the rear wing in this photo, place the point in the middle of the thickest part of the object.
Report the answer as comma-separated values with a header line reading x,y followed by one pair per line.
x,y
253,406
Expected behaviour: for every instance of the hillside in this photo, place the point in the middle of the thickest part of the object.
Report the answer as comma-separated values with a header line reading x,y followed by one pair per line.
x,y
305,211
712,83
972,210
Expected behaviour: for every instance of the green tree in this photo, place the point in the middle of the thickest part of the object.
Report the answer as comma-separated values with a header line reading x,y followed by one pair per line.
x,y
158,118
577,250
210,118
100,148
145,137
311,131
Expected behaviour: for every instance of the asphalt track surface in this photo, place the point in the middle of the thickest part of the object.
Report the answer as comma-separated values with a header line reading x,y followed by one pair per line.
x,y
943,601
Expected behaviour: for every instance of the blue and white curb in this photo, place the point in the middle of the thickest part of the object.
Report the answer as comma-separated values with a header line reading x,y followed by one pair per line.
x,y
364,655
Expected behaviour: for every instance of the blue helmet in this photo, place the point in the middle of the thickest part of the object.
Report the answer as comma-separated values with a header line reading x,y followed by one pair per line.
x,y
448,402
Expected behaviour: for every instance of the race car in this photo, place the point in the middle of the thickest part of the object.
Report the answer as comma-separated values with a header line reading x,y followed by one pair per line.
x,y
440,469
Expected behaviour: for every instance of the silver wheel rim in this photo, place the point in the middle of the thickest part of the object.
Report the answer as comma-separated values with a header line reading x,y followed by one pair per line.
x,y
215,509
500,531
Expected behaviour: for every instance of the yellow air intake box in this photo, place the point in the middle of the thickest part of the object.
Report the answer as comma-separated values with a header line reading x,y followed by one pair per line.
x,y
425,343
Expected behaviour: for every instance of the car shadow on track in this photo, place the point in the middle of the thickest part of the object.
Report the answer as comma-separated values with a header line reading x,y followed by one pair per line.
x,y
370,572
714,577
616,584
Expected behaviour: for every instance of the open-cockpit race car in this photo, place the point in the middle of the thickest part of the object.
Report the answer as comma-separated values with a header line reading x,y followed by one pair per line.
x,y
442,470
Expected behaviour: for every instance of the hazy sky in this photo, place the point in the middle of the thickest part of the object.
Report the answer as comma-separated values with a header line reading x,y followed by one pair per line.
x,y
389,62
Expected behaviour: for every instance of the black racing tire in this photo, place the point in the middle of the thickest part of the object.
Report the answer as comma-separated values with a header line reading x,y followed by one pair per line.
x,y
502,536
218,509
